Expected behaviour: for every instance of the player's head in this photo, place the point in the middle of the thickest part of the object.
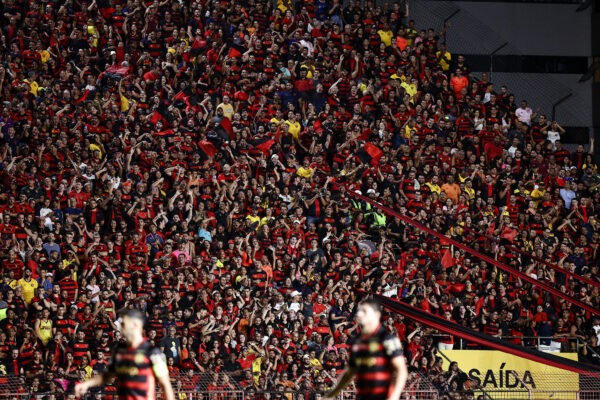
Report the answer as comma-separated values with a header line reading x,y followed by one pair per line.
x,y
132,323
368,314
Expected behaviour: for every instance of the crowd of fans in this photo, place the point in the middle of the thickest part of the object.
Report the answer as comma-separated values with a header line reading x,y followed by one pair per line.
x,y
197,160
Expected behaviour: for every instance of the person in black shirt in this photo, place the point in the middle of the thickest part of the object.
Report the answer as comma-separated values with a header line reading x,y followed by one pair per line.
x,y
590,352
377,359
232,366
136,364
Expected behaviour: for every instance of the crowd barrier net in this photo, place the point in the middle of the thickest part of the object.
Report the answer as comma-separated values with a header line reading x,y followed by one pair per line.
x,y
222,386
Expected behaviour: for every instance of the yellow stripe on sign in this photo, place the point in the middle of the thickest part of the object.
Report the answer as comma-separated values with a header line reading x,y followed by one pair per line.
x,y
493,371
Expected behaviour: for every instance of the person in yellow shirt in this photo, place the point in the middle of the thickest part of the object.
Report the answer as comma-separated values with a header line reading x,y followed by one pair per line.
x,y
256,365
411,33
43,327
124,100
253,217
294,126
278,118
28,284
227,108
470,192
386,35
410,128
410,88
433,185
538,192
444,57
33,86
310,68
305,170
314,361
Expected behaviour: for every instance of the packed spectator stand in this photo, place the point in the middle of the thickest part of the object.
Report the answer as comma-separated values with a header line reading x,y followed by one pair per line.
x,y
196,159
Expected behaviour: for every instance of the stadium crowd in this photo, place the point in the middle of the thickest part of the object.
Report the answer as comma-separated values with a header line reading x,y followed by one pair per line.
x,y
197,160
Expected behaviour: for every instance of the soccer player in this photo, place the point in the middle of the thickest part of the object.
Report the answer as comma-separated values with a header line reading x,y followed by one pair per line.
x,y
137,365
376,359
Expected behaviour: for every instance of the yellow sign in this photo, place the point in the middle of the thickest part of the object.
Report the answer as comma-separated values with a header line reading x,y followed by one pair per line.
x,y
493,371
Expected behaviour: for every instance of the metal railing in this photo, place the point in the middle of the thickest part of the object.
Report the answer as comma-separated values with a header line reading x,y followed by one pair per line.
x,y
543,343
409,394
210,386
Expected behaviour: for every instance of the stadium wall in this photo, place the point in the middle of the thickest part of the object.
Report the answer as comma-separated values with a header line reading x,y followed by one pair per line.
x,y
533,33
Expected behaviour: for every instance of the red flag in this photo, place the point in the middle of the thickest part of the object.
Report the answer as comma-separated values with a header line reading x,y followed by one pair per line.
x,y
208,148
369,154
456,288
161,114
227,127
83,96
447,260
235,50
401,43
401,266
491,228
164,133
156,117
508,233
479,305
116,69
365,135
263,144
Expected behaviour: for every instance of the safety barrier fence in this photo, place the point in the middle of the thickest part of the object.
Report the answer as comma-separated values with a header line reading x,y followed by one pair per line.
x,y
524,394
221,386
542,343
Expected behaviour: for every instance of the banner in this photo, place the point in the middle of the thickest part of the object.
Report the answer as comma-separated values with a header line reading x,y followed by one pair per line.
x,y
492,370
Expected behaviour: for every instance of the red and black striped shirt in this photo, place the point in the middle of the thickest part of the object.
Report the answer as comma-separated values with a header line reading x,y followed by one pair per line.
x,y
135,370
372,358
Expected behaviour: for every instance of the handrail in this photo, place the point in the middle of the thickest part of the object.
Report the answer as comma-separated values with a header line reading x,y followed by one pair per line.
x,y
538,339
484,257
533,257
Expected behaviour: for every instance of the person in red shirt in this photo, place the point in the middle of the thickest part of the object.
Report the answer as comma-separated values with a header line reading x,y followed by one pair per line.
x,y
246,358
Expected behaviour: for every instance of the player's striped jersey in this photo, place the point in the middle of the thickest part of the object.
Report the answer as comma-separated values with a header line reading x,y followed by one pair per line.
x,y
372,357
136,370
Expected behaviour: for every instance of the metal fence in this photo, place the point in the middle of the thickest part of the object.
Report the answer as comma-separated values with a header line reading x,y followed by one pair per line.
x,y
221,386
561,387
548,344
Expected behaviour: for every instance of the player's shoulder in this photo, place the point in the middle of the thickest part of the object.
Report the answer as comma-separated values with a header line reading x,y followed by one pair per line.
x,y
391,343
